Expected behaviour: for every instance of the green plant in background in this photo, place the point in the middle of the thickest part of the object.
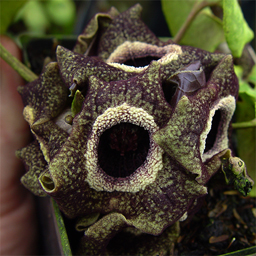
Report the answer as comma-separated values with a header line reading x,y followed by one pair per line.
x,y
39,17
8,12
194,23
246,121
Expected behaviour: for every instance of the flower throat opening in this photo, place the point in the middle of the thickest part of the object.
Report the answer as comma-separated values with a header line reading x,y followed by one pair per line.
x,y
213,133
122,149
140,62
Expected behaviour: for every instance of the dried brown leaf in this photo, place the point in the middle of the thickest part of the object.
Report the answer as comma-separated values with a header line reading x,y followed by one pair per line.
x,y
214,239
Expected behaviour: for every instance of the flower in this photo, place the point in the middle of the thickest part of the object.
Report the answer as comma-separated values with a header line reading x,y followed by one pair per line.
x,y
144,128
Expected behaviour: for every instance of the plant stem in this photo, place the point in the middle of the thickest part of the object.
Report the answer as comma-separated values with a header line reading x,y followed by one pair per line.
x,y
195,10
23,71
248,124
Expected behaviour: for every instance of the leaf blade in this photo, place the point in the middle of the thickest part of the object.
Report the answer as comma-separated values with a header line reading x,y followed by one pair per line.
x,y
62,230
237,32
204,32
8,10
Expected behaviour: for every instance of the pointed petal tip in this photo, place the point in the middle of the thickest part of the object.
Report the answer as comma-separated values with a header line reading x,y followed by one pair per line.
x,y
137,8
20,89
61,51
59,48
18,153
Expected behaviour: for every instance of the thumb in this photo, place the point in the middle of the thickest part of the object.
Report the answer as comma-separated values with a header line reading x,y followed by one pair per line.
x,y
16,203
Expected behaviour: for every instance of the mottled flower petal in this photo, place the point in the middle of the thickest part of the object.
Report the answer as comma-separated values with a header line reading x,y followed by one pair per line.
x,y
126,27
184,137
140,54
35,164
84,222
97,25
162,200
180,137
76,68
45,97
50,138
132,242
101,232
212,165
140,243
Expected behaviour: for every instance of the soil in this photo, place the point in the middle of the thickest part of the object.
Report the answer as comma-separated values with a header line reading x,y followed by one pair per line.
x,y
225,223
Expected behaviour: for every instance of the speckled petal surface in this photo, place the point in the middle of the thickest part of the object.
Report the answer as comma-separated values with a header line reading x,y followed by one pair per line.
x,y
45,97
184,137
35,164
98,24
50,138
126,27
76,68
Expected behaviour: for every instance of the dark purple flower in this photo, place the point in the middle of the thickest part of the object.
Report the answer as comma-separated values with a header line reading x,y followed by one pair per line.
x,y
143,130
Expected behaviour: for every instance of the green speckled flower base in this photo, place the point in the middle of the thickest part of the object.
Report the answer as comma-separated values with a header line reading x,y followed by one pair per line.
x,y
128,130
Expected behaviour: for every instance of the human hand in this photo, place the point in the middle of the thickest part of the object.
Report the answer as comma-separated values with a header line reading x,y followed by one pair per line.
x,y
18,227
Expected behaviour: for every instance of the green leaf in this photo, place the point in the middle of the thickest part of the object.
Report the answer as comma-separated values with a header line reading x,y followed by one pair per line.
x,y
34,16
62,230
246,252
205,31
61,12
245,111
246,146
252,76
77,103
244,86
8,11
237,31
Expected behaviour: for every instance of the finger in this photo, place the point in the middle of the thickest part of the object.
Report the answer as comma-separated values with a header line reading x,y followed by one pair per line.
x,y
17,209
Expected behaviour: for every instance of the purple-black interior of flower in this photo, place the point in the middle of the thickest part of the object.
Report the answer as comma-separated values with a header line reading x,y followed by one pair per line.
x,y
213,133
169,88
122,149
141,61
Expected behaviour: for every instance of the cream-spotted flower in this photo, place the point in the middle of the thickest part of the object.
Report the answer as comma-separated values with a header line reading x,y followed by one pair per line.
x,y
128,130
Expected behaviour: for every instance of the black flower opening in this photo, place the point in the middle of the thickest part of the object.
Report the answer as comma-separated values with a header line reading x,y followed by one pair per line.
x,y
122,149
141,61
169,88
215,135
212,135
